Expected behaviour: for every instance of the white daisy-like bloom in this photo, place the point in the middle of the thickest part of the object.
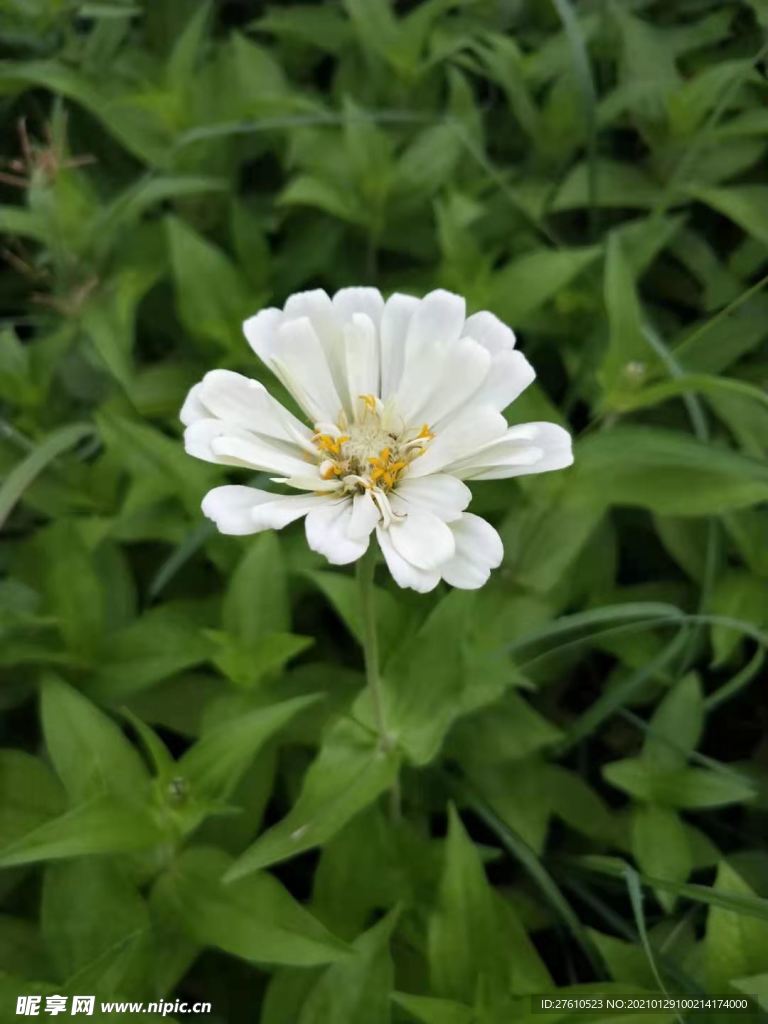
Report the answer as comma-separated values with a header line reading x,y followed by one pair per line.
x,y
403,400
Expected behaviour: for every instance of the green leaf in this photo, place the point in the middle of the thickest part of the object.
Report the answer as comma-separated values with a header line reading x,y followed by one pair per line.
x,y
75,591
349,773
162,642
746,205
737,594
102,825
359,986
429,1010
473,939
215,764
21,948
252,609
661,847
253,918
91,912
526,284
153,458
30,794
676,726
214,312
691,788
734,943
247,666
627,344
424,681
697,788
342,592
23,474
668,473
89,751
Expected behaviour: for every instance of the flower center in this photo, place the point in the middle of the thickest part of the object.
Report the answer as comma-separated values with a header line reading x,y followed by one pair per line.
x,y
372,451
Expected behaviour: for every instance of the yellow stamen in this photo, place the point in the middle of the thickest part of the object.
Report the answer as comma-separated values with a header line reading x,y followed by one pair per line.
x,y
370,402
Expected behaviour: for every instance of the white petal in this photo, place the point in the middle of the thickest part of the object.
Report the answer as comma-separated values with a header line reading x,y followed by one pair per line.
x,y
438,319
524,449
230,508
327,529
261,333
303,368
258,453
242,510
395,319
199,437
440,493
509,375
422,539
361,352
230,445
403,573
278,510
440,380
348,301
309,481
237,399
472,429
193,408
317,307
478,550
489,331
365,516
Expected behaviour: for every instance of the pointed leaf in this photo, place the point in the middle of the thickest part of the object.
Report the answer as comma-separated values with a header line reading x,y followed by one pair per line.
x,y
254,918
349,773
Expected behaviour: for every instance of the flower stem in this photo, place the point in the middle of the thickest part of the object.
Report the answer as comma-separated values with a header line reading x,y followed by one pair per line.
x,y
365,571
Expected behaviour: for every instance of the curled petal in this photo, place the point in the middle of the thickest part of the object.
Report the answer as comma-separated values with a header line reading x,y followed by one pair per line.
x,y
478,551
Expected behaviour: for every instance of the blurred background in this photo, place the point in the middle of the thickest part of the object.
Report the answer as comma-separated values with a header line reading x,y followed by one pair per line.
x,y
581,749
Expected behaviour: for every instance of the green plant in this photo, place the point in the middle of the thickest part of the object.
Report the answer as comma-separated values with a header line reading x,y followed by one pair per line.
x,y
581,742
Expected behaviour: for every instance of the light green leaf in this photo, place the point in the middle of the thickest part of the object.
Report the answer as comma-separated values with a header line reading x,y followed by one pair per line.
x,y
429,1010
349,773
676,726
256,602
734,944
215,311
24,473
424,681
215,764
102,825
30,794
88,750
254,918
531,280
473,939
160,643
91,912
627,345
668,473
661,847
359,986
343,594
737,594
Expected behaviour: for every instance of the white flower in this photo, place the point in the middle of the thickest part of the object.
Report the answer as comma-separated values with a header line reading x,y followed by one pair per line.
x,y
403,400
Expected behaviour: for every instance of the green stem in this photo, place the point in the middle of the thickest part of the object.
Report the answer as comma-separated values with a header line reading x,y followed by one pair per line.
x,y
365,570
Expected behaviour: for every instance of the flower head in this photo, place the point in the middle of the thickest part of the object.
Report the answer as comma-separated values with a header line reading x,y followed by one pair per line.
x,y
403,403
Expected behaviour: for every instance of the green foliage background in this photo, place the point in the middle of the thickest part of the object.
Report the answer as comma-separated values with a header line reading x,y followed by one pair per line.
x,y
580,746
